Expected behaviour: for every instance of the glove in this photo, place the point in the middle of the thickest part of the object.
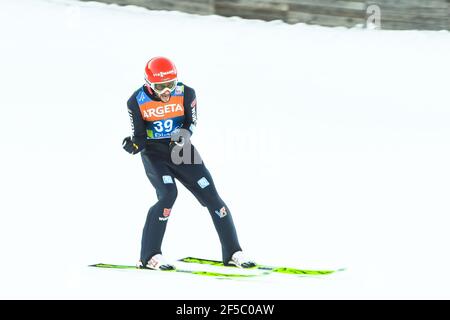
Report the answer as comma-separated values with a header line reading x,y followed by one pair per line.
x,y
178,142
130,146
178,139
173,143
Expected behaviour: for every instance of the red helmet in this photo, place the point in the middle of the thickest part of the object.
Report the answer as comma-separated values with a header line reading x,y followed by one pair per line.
x,y
161,74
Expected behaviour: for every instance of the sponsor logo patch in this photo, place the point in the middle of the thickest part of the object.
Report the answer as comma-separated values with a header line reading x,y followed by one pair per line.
x,y
179,90
203,183
167,179
166,212
162,112
130,113
153,263
222,212
158,110
142,97
163,73
194,111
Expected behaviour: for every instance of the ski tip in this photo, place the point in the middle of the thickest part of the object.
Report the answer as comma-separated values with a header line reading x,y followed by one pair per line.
x,y
95,265
185,258
200,260
192,259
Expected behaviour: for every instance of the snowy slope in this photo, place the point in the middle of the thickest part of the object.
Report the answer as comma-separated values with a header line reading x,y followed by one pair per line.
x,y
343,164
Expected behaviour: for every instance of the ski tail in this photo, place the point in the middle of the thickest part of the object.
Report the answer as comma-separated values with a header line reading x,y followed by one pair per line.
x,y
112,266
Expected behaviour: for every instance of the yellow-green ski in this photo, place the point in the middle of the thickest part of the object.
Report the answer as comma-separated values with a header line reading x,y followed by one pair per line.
x,y
196,272
284,270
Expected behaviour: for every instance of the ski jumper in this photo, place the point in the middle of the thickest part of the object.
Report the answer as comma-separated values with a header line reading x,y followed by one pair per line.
x,y
153,122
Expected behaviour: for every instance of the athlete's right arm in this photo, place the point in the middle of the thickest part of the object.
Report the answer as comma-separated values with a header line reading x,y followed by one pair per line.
x,y
138,128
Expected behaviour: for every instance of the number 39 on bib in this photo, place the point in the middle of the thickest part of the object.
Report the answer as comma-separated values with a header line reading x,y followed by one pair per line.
x,y
163,128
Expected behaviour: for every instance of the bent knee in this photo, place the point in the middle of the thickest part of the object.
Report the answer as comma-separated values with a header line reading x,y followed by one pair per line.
x,y
168,195
211,200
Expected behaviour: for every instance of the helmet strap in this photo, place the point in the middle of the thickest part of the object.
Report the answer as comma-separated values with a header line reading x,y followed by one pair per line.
x,y
149,88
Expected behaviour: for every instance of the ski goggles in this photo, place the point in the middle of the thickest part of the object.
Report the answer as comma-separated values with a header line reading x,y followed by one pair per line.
x,y
163,86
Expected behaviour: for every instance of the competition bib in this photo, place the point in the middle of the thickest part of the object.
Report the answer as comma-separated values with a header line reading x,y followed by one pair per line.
x,y
162,118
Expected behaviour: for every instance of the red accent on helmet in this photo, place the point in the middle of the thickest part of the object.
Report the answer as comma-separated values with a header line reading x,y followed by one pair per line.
x,y
160,69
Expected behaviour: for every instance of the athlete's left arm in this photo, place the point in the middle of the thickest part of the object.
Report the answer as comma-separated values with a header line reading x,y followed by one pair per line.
x,y
190,109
